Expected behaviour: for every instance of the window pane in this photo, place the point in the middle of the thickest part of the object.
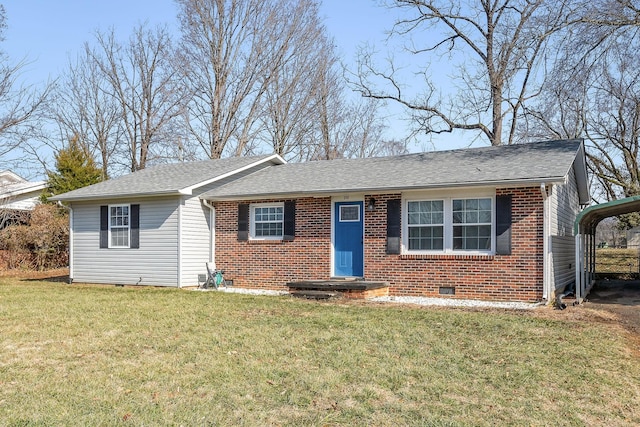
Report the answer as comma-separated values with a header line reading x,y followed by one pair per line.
x,y
472,237
425,212
119,225
268,221
472,211
484,216
119,237
471,217
414,218
350,213
426,238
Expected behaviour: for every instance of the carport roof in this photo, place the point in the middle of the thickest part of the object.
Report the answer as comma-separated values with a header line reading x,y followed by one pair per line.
x,y
588,219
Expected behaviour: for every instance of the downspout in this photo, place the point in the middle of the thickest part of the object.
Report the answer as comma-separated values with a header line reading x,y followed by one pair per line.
x,y
546,280
212,234
70,260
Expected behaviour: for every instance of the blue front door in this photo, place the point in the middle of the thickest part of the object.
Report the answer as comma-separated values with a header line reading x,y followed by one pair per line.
x,y
348,240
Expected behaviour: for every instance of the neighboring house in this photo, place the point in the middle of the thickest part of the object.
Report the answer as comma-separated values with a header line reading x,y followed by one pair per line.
x,y
490,223
18,193
633,238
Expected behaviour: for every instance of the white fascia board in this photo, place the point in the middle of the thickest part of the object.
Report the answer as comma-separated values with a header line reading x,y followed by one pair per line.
x,y
535,182
115,196
37,186
275,158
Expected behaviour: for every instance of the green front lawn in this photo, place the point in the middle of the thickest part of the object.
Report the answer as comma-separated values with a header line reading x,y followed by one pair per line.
x,y
96,355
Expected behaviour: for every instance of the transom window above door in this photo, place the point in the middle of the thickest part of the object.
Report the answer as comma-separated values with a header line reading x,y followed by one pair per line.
x,y
349,213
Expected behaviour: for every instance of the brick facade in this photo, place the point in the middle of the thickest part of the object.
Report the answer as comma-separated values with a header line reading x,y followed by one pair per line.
x,y
271,264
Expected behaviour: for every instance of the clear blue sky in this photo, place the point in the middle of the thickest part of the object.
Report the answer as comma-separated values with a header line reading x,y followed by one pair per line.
x,y
47,33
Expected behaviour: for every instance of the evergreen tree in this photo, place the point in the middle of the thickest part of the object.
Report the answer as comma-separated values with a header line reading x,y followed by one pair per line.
x,y
75,168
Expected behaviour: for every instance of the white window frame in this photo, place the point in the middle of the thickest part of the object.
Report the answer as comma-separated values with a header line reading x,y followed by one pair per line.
x,y
447,200
465,224
252,220
431,225
119,227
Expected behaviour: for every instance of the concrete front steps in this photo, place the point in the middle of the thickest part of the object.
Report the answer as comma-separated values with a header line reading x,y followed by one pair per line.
x,y
338,288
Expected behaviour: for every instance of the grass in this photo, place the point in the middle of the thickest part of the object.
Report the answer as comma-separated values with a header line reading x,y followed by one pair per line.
x,y
94,355
622,262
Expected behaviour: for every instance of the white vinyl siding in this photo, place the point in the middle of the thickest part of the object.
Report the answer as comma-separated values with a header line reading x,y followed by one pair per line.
x,y
154,263
564,258
565,206
195,241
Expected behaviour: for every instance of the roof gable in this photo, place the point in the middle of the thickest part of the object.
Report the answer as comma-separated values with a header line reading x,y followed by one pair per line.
x,y
13,185
168,179
520,164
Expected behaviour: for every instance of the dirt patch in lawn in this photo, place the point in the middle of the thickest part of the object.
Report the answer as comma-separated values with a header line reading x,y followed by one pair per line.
x,y
614,302
57,275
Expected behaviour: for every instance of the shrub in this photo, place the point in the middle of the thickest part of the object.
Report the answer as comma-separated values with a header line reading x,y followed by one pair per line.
x,y
41,244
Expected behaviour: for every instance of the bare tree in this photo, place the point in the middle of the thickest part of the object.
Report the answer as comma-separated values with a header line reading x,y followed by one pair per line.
x,y
334,130
20,105
84,109
240,59
289,103
344,128
613,125
141,77
593,91
495,46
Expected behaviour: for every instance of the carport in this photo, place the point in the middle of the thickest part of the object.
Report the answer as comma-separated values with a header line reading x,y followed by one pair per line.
x,y
585,235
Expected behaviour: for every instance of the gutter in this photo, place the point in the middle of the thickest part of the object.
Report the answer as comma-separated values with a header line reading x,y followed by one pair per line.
x,y
325,192
212,233
546,271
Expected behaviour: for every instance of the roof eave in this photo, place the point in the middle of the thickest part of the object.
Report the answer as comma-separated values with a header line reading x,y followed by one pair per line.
x,y
116,196
24,190
377,190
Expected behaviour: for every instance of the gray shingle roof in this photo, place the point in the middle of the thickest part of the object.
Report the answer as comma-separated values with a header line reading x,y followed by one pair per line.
x,y
513,164
177,178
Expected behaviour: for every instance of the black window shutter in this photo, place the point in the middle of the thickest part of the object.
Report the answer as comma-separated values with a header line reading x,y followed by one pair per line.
x,y
243,221
135,227
289,220
393,226
104,227
503,224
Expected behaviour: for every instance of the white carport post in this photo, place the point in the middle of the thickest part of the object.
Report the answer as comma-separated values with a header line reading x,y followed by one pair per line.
x,y
580,268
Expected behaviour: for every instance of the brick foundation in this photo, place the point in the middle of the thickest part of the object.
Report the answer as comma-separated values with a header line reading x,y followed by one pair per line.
x,y
271,264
